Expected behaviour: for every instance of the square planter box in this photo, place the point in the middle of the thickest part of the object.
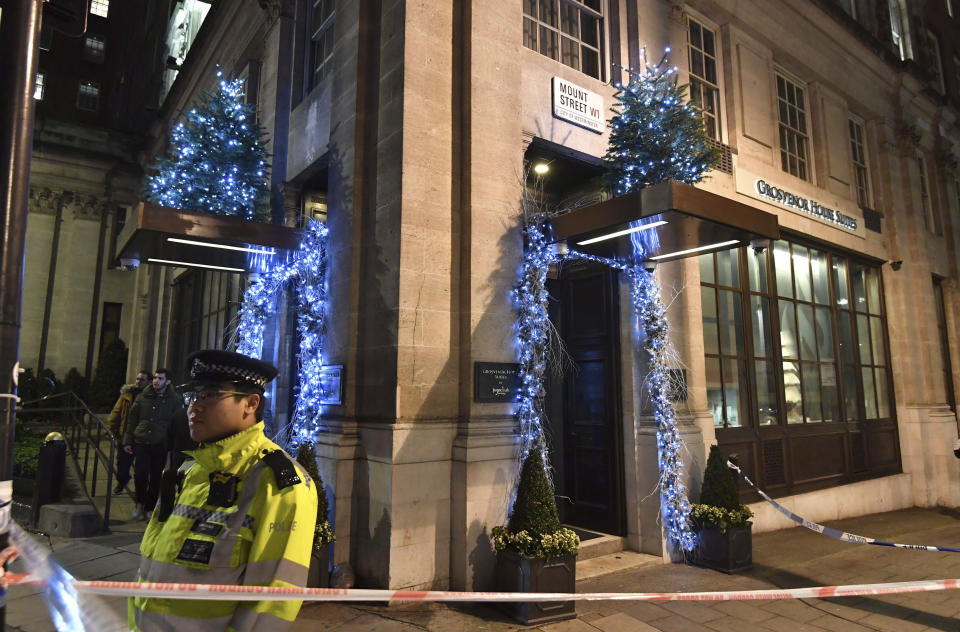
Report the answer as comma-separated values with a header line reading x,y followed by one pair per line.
x,y
319,574
519,573
729,552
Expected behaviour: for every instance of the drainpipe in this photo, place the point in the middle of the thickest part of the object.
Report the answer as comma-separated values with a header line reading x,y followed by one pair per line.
x,y
65,198
19,34
97,283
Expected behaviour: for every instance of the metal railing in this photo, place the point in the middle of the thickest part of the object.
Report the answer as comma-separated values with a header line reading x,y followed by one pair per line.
x,y
85,432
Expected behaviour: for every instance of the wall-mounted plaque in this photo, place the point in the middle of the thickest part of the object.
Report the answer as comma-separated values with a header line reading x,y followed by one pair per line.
x,y
495,382
331,385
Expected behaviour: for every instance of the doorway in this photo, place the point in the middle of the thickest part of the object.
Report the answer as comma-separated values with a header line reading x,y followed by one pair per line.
x,y
583,404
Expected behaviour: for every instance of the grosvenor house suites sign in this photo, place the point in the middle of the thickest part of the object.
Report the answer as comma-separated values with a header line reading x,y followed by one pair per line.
x,y
836,212
578,105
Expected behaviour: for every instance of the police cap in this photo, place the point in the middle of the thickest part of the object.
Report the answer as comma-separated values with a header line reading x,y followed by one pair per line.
x,y
210,366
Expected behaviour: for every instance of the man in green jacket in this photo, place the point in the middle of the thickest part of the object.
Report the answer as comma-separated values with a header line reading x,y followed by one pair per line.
x,y
146,439
244,513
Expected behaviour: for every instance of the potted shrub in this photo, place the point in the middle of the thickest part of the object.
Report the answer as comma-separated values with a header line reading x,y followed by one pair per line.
x,y
319,574
721,520
534,553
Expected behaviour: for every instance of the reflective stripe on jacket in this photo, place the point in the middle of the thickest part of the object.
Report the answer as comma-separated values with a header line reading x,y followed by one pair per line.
x,y
264,538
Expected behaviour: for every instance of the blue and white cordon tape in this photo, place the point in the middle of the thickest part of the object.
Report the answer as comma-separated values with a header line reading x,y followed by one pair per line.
x,y
834,533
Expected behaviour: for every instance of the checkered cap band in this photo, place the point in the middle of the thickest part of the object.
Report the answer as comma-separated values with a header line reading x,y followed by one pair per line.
x,y
200,369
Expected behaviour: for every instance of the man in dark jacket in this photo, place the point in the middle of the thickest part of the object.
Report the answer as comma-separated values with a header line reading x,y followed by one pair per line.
x,y
146,438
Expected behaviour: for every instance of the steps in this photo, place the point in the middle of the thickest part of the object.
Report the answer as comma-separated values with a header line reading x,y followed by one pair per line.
x,y
601,554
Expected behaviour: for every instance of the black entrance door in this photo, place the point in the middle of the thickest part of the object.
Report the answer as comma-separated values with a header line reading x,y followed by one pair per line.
x,y
584,404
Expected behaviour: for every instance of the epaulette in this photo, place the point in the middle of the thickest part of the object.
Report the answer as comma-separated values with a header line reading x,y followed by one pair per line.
x,y
283,468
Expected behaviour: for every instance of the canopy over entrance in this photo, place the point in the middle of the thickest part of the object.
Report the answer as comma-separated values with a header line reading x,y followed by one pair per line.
x,y
169,236
664,222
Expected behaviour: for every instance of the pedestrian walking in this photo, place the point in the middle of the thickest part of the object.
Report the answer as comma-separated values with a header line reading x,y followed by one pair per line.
x,y
117,422
243,514
146,439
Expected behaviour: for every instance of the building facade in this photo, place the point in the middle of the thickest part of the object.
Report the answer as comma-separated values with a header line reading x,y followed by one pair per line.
x,y
823,361
92,91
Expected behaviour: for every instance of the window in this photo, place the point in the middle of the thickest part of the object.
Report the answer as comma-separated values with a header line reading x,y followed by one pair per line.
x,y
859,158
568,31
40,86
94,49
934,64
795,347
944,343
704,83
110,320
88,96
320,46
929,219
898,29
793,127
100,7
849,7
949,4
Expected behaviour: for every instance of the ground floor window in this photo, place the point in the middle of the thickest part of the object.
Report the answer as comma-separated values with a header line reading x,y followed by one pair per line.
x,y
797,365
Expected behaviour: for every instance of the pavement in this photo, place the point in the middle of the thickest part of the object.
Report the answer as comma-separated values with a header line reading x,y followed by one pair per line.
x,y
782,559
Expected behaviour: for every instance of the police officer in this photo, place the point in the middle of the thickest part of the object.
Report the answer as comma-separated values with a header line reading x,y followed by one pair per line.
x,y
244,512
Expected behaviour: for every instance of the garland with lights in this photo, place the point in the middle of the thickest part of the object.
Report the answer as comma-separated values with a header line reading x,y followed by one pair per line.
x,y
650,311
217,160
307,267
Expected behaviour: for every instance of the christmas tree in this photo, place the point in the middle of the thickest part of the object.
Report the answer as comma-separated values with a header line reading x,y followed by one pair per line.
x,y
217,161
655,133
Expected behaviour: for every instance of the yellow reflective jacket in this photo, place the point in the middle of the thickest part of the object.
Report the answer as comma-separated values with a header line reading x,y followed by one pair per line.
x,y
258,530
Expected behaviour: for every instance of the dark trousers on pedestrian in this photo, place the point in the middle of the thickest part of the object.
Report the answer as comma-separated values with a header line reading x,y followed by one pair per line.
x,y
124,461
147,469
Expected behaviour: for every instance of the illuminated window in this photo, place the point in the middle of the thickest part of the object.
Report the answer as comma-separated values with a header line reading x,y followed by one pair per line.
x,y
40,86
704,81
794,138
898,28
949,4
100,7
88,96
94,49
568,31
859,156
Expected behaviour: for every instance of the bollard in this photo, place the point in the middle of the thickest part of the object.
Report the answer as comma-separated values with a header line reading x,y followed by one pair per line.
x,y
51,470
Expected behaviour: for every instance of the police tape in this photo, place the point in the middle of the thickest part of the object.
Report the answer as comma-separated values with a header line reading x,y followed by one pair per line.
x,y
283,593
831,532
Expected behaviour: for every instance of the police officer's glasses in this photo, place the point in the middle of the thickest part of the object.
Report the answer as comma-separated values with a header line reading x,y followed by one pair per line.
x,y
190,397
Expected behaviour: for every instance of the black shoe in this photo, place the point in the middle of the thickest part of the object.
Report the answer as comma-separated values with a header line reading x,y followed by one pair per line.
x,y
119,489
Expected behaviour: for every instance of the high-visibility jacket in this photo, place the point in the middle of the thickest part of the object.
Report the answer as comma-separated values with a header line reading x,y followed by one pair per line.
x,y
241,517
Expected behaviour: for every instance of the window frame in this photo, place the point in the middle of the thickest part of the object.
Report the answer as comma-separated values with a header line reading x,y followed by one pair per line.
x,y
100,8
89,84
90,52
933,45
539,26
855,123
901,36
316,40
804,170
707,25
777,453
930,219
40,85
